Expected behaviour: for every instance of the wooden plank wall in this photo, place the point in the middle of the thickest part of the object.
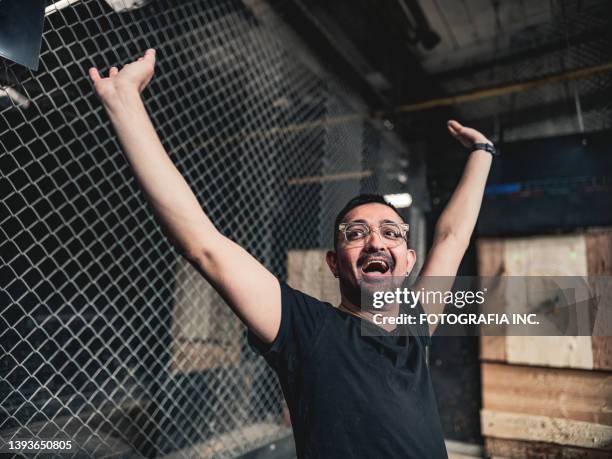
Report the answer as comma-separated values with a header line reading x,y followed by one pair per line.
x,y
547,396
205,332
308,272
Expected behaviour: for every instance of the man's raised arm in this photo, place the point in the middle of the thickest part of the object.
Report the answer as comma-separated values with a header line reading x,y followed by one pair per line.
x,y
458,219
247,286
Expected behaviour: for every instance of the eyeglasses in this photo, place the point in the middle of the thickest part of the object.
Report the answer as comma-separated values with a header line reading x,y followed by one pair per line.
x,y
356,234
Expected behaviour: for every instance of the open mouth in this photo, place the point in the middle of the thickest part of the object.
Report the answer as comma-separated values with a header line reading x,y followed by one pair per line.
x,y
375,267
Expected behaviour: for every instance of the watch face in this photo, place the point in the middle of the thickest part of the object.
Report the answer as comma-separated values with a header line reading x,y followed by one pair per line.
x,y
21,27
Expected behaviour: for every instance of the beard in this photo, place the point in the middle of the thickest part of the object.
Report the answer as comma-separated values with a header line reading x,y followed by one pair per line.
x,y
362,295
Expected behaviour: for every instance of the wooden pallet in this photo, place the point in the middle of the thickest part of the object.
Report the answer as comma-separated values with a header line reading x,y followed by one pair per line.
x,y
586,254
547,396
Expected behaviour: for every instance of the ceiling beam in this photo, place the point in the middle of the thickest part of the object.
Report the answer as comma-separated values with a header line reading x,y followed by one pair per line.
x,y
524,54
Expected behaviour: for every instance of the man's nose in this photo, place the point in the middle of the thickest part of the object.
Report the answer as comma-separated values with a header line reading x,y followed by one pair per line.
x,y
374,242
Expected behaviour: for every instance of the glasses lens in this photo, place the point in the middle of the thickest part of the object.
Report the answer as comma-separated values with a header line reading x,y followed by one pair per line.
x,y
392,234
356,232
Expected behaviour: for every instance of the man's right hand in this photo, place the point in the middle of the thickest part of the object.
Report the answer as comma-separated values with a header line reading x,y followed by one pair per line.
x,y
131,79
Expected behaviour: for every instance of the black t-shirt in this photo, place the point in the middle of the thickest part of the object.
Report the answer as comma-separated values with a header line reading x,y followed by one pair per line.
x,y
350,395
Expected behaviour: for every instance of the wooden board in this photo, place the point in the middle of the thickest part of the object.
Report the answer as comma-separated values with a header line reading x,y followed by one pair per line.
x,y
599,252
599,263
490,256
573,255
547,256
308,272
205,332
520,449
560,393
189,356
556,351
501,424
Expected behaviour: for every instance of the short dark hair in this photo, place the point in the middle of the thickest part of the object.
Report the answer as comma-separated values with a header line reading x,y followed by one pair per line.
x,y
356,202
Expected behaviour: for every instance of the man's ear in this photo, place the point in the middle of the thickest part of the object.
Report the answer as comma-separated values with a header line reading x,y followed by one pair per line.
x,y
332,262
411,260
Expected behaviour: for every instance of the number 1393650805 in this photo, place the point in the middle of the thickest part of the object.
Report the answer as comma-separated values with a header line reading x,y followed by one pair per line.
x,y
35,445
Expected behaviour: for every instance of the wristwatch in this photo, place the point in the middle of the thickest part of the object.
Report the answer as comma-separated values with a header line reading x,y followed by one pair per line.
x,y
486,147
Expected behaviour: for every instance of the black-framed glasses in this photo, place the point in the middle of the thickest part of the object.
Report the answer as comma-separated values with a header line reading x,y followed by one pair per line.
x,y
357,233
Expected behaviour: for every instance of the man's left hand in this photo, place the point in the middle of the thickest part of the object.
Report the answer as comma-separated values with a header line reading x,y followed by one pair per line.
x,y
466,135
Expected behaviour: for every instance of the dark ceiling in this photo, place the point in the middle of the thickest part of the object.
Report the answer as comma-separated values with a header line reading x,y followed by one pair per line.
x,y
398,52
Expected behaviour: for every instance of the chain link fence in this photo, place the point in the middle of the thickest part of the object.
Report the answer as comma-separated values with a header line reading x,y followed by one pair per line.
x,y
108,337
578,36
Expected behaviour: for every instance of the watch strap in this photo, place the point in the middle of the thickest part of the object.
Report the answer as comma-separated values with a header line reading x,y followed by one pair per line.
x,y
486,147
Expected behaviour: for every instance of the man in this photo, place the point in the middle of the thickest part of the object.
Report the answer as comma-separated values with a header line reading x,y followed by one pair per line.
x,y
349,394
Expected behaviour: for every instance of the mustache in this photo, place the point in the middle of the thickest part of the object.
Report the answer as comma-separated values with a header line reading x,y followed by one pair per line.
x,y
381,255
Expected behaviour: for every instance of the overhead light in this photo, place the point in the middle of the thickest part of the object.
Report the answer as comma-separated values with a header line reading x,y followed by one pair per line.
x,y
126,5
117,5
56,6
399,200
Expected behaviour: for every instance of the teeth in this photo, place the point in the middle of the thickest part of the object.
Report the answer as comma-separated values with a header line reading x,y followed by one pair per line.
x,y
380,262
